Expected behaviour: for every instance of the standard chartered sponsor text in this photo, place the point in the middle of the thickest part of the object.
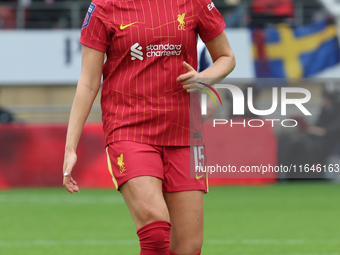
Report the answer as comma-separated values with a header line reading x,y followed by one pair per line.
x,y
160,50
268,168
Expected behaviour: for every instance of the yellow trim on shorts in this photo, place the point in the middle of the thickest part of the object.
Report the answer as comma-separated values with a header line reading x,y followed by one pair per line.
x,y
206,173
110,168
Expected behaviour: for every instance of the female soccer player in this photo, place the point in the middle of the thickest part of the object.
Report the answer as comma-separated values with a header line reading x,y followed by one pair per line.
x,y
151,54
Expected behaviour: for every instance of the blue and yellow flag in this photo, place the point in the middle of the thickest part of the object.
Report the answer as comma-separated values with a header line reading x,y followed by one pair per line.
x,y
295,52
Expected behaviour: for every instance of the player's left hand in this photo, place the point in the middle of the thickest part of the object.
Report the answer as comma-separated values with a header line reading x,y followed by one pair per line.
x,y
185,78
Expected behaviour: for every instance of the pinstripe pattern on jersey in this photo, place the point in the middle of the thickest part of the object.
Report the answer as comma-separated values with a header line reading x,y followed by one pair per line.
x,y
141,100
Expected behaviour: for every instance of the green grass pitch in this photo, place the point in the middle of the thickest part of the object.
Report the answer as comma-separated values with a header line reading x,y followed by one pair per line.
x,y
286,219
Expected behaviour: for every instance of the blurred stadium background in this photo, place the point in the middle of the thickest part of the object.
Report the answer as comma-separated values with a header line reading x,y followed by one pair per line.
x,y
40,57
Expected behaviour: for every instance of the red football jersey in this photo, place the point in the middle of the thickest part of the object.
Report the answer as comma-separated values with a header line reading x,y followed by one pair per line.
x,y
146,42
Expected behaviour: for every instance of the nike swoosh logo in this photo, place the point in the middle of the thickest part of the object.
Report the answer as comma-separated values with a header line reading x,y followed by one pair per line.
x,y
125,26
199,177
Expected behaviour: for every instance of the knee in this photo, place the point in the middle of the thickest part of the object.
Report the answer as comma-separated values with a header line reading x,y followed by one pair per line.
x,y
148,214
190,246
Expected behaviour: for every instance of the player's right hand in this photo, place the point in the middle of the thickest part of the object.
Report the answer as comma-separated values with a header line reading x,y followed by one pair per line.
x,y
70,160
185,78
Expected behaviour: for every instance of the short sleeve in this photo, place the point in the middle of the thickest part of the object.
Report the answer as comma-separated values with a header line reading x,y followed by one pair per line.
x,y
94,31
210,20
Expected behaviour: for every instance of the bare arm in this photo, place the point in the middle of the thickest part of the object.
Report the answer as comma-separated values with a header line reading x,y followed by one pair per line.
x,y
223,58
87,90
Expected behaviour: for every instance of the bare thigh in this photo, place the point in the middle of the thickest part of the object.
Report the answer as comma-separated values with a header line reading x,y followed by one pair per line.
x,y
186,217
144,197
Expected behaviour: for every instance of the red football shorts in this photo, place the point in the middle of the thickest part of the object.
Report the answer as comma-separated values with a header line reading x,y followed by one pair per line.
x,y
127,160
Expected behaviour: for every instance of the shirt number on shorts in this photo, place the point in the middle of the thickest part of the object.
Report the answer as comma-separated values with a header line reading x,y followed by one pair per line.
x,y
199,157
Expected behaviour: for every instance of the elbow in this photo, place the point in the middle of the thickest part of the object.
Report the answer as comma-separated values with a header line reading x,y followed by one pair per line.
x,y
232,57
231,62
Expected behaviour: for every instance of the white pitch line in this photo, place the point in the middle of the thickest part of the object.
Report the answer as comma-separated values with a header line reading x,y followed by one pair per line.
x,y
67,243
293,254
91,242
270,242
53,199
